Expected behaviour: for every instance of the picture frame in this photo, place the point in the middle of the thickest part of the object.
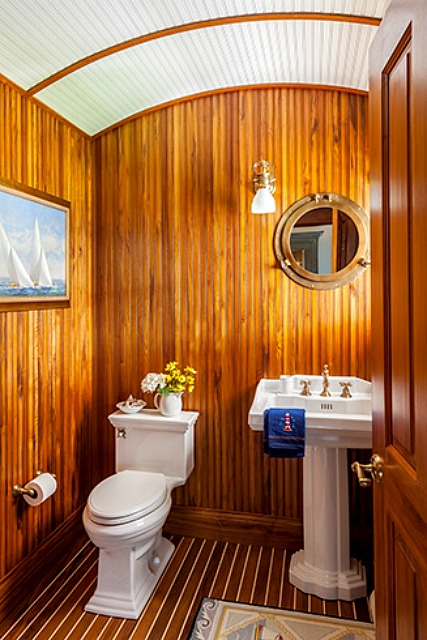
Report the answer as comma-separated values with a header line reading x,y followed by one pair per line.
x,y
34,248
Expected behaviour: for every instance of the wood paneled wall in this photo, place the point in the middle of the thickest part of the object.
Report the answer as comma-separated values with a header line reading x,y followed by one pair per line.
x,y
47,356
183,271
187,273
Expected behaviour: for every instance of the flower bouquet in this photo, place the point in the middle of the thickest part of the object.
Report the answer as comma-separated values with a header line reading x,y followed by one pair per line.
x,y
169,387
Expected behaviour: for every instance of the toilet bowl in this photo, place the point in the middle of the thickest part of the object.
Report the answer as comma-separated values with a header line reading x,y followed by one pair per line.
x,y
125,513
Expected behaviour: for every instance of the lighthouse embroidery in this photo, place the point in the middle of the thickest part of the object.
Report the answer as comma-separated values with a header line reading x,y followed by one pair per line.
x,y
287,426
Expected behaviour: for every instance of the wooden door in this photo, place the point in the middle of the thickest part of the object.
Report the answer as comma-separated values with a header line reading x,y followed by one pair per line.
x,y
398,77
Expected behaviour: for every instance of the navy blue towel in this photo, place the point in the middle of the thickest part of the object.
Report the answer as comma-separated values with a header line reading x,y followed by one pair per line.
x,y
284,433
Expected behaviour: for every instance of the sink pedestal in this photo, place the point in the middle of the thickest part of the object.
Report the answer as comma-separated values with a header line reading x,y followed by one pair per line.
x,y
333,425
324,567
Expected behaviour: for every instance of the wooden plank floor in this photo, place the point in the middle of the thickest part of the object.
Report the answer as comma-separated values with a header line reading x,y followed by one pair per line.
x,y
197,569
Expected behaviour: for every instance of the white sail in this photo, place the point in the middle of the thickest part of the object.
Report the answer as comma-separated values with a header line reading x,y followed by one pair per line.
x,y
4,248
18,275
17,272
39,268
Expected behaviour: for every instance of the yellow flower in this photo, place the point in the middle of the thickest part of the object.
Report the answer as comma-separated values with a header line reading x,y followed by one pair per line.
x,y
176,381
190,370
171,381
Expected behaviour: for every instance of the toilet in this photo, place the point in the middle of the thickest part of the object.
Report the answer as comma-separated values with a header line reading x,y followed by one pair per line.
x,y
125,513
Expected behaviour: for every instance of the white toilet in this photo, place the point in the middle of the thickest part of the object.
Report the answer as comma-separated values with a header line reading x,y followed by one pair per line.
x,y
125,513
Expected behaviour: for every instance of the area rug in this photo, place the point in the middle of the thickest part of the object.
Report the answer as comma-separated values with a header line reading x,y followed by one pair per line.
x,y
220,620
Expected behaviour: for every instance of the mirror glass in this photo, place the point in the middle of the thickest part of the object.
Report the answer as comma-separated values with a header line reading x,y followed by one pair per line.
x,y
321,241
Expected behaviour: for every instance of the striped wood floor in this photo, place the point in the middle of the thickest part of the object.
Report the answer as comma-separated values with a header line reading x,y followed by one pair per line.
x,y
198,568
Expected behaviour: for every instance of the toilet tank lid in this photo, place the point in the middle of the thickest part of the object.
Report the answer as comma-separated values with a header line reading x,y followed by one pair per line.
x,y
150,419
126,496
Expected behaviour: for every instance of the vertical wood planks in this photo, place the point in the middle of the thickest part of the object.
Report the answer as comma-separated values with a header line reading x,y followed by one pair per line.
x,y
207,290
47,356
183,271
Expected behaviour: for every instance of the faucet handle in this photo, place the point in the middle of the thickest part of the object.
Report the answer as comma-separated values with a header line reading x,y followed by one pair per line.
x,y
345,389
306,387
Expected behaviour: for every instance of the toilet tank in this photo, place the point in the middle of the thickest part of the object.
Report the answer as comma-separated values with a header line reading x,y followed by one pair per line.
x,y
148,441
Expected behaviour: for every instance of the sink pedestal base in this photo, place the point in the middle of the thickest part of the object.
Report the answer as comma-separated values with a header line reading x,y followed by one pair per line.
x,y
348,585
324,567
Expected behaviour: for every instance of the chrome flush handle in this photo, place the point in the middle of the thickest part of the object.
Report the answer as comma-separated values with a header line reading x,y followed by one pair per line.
x,y
375,468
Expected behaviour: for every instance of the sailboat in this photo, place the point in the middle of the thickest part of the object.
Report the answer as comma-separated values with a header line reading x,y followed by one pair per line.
x,y
39,272
18,275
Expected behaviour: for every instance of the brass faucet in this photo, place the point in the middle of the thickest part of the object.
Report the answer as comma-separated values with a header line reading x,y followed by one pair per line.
x,y
345,389
325,374
306,388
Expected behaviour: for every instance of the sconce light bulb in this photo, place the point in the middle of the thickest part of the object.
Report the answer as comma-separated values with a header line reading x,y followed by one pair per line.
x,y
263,201
264,186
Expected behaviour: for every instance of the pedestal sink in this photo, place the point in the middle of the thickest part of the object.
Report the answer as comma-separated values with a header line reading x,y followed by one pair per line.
x,y
333,424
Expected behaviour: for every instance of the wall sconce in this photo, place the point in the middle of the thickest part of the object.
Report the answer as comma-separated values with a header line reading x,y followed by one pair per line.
x,y
263,179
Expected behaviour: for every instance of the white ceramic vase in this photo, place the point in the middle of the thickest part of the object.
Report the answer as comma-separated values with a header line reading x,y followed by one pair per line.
x,y
169,404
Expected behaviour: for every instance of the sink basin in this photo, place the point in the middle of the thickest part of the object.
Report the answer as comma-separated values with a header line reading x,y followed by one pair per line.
x,y
330,421
332,406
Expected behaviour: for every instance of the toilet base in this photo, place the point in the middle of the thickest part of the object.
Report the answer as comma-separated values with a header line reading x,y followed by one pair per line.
x,y
127,578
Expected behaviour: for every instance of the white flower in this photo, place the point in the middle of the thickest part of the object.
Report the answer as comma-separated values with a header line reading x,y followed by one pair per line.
x,y
153,381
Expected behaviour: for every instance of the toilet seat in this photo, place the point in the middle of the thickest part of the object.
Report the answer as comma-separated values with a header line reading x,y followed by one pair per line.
x,y
126,496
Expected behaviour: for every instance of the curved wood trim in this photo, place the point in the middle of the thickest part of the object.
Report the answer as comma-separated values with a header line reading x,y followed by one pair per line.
x,y
211,92
192,26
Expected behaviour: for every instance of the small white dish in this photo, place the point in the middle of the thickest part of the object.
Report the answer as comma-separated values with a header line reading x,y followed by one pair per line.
x,y
131,405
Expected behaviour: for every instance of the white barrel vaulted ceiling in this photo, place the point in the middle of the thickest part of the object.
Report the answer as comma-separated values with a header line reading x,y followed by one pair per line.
x,y
98,62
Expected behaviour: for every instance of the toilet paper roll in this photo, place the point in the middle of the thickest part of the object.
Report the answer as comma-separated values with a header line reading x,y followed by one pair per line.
x,y
44,485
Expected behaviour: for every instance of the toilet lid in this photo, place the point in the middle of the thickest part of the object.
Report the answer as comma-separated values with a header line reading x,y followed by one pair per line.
x,y
126,496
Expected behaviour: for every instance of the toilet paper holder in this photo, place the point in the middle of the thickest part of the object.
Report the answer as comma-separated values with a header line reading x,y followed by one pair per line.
x,y
20,490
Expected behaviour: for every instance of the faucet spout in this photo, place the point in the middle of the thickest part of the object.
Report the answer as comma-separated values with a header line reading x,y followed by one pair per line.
x,y
325,393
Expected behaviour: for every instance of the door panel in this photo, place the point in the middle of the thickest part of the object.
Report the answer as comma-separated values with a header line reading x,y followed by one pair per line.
x,y
396,102
398,95
405,587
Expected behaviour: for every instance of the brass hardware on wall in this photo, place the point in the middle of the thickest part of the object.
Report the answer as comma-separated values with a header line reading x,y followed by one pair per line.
x,y
263,180
19,490
322,241
375,468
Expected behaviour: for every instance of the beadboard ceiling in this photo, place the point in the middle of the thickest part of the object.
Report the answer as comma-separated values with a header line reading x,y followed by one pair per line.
x,y
97,62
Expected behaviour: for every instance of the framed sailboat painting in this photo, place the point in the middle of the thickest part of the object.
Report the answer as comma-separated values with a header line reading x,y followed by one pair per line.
x,y
34,248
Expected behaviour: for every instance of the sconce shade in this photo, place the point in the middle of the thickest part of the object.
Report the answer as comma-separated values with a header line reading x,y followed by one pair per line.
x,y
263,201
263,180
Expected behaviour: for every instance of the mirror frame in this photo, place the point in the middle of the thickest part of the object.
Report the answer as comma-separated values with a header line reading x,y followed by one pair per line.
x,y
282,241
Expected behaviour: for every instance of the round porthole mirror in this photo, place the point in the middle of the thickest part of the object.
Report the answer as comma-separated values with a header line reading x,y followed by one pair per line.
x,y
322,241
